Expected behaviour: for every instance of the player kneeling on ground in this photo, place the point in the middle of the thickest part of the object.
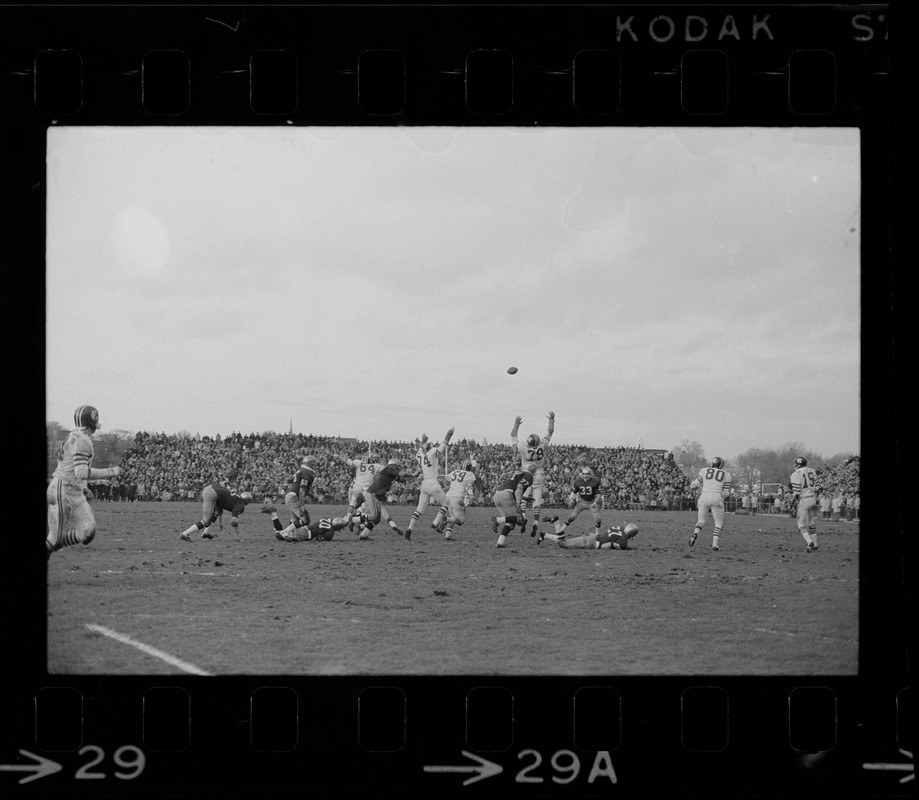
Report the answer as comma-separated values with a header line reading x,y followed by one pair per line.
x,y
216,499
321,530
615,538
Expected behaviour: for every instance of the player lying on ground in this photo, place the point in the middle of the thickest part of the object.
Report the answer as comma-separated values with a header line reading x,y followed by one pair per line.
x,y
217,499
70,516
615,538
322,530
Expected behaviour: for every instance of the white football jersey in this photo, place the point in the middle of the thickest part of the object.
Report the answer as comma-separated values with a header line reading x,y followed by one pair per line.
x,y
461,484
364,473
713,479
535,454
803,481
430,461
75,458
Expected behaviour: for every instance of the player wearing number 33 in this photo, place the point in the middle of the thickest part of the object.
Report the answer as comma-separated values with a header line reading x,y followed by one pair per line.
x,y
716,484
803,486
587,497
70,516
533,451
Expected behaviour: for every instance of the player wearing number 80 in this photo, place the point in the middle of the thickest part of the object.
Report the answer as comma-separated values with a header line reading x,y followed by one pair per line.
x,y
803,482
716,485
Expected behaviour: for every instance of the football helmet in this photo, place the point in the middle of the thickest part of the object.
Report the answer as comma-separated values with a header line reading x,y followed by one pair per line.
x,y
718,462
630,530
585,470
528,466
309,461
532,440
246,497
87,417
338,523
394,462
800,461
468,466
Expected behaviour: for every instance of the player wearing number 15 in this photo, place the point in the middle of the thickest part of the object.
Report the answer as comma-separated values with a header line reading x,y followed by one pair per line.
x,y
803,483
70,516
716,485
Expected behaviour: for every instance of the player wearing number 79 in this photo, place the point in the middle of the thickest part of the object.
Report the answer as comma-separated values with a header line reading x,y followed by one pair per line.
x,y
803,483
534,450
716,484
70,516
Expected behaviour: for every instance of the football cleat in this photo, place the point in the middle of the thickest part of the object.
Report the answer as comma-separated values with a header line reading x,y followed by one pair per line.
x,y
811,547
448,537
268,509
540,537
364,535
534,529
692,539
715,547
494,524
185,537
208,535
405,534
550,519
279,536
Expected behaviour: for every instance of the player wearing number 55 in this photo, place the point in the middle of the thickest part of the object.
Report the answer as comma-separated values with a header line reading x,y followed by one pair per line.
x,y
70,516
716,484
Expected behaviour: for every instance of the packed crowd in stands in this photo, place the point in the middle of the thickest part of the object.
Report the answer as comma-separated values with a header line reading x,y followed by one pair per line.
x,y
167,467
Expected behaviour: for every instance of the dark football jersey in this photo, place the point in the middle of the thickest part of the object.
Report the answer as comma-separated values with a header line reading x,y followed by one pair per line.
x,y
303,478
322,530
522,478
587,488
229,501
384,479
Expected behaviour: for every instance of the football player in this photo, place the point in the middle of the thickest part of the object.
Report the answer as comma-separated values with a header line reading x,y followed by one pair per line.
x,y
508,499
587,497
430,461
374,499
70,516
803,488
365,471
615,538
322,530
216,500
716,484
297,491
533,450
459,495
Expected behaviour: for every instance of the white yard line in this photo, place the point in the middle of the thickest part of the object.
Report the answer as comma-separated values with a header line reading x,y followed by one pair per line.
x,y
146,648
805,635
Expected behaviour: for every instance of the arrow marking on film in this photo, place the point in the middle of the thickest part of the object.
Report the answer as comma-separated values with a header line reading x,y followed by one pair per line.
x,y
42,768
486,769
896,767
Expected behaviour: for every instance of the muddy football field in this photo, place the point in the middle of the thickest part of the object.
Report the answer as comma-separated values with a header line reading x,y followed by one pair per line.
x,y
138,600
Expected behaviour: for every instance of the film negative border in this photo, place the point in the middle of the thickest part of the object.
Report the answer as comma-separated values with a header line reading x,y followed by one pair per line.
x,y
561,736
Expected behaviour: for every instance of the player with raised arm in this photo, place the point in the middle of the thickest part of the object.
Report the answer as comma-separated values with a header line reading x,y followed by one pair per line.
x,y
459,495
375,508
615,538
70,516
365,470
803,488
430,461
298,490
216,499
533,450
716,484
322,530
587,497
508,499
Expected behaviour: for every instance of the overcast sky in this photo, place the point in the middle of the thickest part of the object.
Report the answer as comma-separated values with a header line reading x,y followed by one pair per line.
x,y
652,284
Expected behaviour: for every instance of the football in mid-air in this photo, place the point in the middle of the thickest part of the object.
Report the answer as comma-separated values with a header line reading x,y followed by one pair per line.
x,y
511,370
